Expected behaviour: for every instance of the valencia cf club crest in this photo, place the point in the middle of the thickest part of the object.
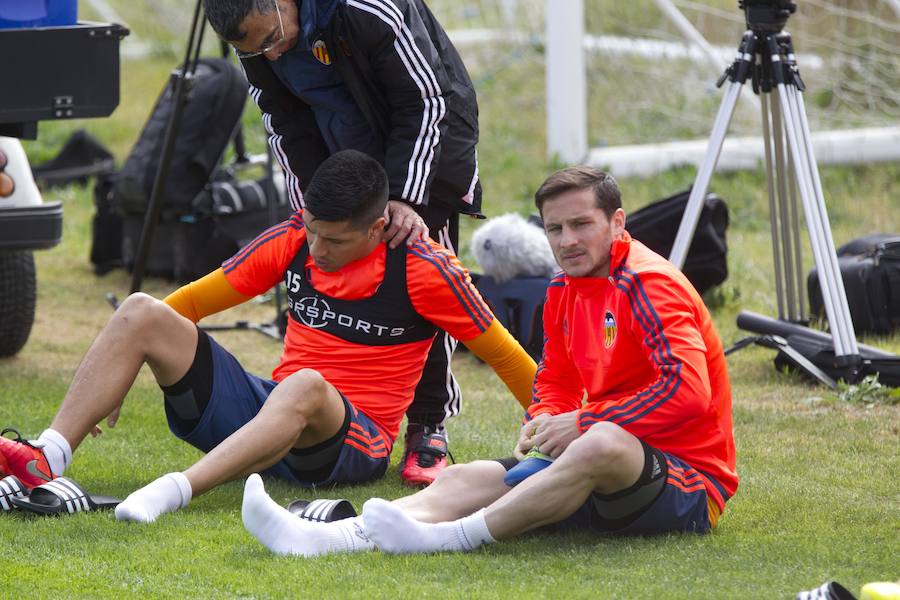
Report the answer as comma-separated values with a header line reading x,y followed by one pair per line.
x,y
320,51
609,329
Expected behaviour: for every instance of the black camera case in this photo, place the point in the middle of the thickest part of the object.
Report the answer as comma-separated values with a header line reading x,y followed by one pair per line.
x,y
870,269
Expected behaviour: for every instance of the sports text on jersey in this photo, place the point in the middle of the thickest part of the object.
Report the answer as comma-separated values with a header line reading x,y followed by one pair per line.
x,y
317,313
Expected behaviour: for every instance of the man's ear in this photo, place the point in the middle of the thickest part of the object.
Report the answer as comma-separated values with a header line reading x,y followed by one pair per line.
x,y
618,222
376,229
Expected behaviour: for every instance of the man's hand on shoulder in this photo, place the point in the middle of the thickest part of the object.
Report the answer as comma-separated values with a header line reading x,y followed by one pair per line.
x,y
404,224
551,434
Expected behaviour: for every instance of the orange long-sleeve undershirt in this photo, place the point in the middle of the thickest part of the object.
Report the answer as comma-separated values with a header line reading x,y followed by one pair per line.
x,y
499,349
208,295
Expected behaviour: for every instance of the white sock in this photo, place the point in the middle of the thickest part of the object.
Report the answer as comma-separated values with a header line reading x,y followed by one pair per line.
x,y
56,449
395,532
166,494
283,532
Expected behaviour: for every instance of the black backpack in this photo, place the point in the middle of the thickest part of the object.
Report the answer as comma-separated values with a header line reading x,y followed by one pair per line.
x,y
211,113
656,225
870,269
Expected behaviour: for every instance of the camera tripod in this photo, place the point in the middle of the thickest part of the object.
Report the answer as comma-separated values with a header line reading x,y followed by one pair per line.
x,y
766,55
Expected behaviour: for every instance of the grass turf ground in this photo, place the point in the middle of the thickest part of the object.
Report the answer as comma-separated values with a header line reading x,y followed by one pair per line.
x,y
818,497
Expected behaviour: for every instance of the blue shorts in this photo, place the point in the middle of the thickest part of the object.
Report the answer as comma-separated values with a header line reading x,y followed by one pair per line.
x,y
237,397
680,507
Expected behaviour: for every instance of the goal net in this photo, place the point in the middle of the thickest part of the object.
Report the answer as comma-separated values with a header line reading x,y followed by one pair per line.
x,y
647,82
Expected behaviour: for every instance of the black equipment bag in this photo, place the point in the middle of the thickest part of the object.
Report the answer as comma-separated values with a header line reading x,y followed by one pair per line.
x,y
821,354
213,108
227,215
656,225
81,156
224,217
168,250
817,347
870,269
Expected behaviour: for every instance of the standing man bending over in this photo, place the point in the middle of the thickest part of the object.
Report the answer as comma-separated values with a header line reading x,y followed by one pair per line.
x,y
362,318
650,450
381,77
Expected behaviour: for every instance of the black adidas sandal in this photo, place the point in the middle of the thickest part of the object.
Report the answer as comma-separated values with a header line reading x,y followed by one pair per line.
x,y
322,511
10,488
61,496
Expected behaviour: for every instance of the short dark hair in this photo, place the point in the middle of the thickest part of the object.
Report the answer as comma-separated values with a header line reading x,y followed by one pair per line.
x,y
348,186
606,190
226,16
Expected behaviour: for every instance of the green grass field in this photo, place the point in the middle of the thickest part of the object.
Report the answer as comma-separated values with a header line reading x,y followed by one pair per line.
x,y
818,498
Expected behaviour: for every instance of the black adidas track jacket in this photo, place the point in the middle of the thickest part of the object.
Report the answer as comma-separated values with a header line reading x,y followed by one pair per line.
x,y
411,85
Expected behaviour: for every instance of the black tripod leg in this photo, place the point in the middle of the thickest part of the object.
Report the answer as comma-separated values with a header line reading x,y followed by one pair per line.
x,y
779,343
154,207
799,361
741,344
240,149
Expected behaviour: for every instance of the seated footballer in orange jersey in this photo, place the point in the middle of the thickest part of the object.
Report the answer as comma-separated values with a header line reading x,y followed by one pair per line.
x,y
362,319
629,430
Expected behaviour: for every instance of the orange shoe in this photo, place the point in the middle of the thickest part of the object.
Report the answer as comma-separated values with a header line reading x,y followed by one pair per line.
x,y
24,460
426,456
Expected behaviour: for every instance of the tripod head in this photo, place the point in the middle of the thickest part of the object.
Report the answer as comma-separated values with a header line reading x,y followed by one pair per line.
x,y
767,16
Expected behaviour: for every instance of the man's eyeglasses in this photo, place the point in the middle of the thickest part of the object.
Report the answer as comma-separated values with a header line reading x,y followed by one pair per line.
x,y
242,54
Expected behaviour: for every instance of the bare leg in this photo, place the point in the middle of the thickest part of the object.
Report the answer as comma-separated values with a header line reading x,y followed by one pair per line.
x,y
301,411
145,330
459,490
142,330
605,459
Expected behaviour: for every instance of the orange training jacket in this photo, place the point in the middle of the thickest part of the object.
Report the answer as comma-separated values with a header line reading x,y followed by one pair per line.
x,y
642,345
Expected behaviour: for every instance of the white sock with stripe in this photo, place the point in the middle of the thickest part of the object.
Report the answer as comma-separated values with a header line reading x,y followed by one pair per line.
x,y
395,532
167,494
56,449
283,532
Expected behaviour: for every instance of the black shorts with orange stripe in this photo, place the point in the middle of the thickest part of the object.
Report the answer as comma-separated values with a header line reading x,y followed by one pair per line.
x,y
362,455
365,454
236,398
678,502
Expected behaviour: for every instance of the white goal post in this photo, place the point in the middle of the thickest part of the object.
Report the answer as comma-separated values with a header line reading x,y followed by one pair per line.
x,y
567,123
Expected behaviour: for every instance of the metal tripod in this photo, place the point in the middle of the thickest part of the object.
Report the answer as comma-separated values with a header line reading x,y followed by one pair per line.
x,y
768,57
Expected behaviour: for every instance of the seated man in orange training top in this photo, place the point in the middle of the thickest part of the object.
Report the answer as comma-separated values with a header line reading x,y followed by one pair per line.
x,y
362,318
631,403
